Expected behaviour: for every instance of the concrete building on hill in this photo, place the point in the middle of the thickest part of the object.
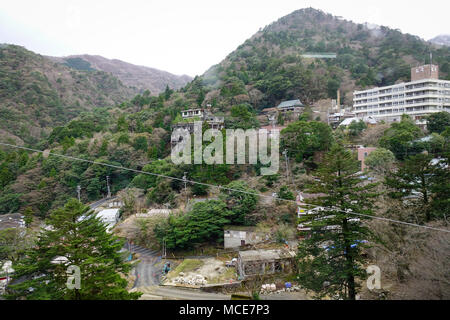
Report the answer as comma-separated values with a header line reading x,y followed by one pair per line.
x,y
423,95
262,262
236,236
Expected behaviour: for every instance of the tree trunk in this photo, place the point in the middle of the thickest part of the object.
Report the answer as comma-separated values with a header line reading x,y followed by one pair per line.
x,y
349,258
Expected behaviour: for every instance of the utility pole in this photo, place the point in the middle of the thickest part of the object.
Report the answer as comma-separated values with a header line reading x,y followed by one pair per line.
x,y
107,185
164,251
285,153
185,187
78,192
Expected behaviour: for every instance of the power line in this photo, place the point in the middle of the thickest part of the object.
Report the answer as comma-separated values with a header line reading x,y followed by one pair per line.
x,y
220,187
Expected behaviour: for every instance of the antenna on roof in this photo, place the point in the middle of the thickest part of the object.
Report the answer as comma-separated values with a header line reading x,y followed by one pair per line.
x,y
431,58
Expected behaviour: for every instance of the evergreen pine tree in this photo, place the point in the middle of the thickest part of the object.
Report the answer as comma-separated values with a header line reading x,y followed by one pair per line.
x,y
75,233
330,259
415,176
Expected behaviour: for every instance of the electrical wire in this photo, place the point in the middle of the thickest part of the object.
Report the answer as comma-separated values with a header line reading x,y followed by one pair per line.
x,y
220,187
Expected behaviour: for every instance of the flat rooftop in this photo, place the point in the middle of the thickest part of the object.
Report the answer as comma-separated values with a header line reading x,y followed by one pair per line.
x,y
261,254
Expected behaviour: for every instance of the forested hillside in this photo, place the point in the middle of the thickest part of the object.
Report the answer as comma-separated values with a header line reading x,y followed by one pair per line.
x,y
92,116
37,94
269,66
39,97
140,77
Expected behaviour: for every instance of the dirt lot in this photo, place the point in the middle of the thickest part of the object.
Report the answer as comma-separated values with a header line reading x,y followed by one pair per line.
x,y
211,269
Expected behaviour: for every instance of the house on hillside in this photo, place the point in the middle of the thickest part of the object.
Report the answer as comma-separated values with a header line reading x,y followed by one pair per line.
x,y
236,236
335,119
190,116
273,128
363,152
192,113
291,106
109,216
252,263
369,121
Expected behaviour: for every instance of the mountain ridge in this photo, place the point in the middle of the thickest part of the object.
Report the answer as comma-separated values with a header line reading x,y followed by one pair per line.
x,y
270,64
138,76
37,94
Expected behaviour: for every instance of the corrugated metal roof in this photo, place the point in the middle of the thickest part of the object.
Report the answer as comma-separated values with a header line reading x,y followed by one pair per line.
x,y
255,255
290,103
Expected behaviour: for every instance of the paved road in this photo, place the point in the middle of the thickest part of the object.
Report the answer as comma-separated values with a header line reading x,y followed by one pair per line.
x,y
100,202
147,274
171,293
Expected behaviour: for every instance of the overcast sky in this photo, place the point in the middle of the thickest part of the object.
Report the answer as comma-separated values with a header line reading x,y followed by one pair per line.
x,y
186,37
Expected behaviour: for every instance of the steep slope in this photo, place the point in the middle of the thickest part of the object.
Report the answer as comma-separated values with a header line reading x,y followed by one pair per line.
x,y
140,77
267,68
37,94
270,66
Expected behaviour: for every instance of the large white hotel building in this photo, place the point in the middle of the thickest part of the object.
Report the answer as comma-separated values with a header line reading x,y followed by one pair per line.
x,y
425,94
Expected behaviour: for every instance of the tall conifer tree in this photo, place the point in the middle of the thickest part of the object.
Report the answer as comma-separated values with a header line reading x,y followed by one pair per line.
x,y
331,258
75,237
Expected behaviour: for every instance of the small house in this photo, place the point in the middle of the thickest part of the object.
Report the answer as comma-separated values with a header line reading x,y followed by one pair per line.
x,y
263,262
290,105
191,113
236,236
362,155
109,216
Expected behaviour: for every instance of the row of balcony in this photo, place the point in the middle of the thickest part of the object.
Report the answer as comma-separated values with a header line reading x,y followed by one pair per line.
x,y
411,87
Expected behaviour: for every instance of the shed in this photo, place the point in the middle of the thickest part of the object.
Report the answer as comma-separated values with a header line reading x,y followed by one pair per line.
x,y
236,236
262,262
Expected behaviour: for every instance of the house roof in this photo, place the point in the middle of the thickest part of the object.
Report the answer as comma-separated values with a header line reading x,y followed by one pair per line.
x,y
108,214
348,121
258,255
290,103
367,119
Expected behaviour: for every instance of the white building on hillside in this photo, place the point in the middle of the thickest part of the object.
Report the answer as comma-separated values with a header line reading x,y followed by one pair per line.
x,y
109,216
424,95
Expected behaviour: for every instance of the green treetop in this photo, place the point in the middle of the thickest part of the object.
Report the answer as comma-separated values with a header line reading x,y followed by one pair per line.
x,y
331,259
75,233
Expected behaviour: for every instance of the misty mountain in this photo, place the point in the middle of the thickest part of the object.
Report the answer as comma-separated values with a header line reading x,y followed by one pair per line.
x,y
37,94
271,66
139,77
443,40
